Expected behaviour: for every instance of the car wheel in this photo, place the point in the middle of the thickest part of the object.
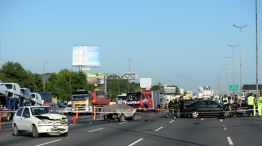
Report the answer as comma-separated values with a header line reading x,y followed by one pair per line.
x,y
15,131
195,114
135,117
35,133
122,118
65,134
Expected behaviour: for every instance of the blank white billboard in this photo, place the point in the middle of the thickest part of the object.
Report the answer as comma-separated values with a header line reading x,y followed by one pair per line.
x,y
146,83
86,56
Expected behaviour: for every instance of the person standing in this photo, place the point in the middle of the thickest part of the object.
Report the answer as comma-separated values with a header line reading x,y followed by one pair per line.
x,y
251,104
259,105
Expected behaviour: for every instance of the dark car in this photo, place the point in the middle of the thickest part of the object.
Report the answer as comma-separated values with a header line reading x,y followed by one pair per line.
x,y
204,108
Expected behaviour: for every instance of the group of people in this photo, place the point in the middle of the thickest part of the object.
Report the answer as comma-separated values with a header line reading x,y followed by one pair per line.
x,y
176,106
252,102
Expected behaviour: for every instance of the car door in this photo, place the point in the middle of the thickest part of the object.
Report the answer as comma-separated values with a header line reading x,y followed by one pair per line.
x,y
18,118
203,108
214,108
26,119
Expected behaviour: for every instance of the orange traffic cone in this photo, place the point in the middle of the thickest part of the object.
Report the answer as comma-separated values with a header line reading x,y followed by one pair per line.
x,y
76,114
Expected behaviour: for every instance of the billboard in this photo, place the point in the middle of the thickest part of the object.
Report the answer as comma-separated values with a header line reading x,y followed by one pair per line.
x,y
86,56
146,83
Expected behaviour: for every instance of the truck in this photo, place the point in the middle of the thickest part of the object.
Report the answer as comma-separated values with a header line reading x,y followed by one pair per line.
x,y
169,93
11,100
83,101
148,99
121,99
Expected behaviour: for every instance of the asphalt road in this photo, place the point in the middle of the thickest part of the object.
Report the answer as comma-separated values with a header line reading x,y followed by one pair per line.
x,y
152,130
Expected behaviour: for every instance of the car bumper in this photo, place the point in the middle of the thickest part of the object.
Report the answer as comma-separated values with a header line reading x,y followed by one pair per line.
x,y
53,129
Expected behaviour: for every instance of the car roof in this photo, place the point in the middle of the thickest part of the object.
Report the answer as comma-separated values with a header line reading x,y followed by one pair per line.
x,y
33,106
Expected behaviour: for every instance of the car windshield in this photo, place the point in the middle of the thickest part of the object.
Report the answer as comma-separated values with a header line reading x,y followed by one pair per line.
x,y
40,110
80,97
9,86
134,97
121,97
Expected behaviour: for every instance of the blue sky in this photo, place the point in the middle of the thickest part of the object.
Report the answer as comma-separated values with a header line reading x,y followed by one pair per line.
x,y
180,42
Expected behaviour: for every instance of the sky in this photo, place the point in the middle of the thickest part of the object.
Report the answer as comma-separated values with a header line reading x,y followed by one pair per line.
x,y
181,42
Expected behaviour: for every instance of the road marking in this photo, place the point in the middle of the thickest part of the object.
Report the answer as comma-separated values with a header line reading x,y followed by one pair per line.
x,y
95,130
171,121
224,127
230,141
136,142
49,142
221,120
159,128
202,119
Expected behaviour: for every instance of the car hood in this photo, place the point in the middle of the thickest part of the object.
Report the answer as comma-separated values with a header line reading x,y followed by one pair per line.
x,y
51,116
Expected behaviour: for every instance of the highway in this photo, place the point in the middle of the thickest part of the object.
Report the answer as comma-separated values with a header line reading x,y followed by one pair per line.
x,y
152,130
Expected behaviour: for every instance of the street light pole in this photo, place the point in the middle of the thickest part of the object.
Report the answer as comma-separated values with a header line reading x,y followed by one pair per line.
x,y
256,53
233,67
44,75
240,27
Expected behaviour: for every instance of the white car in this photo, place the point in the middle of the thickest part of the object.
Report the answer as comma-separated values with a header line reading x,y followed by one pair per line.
x,y
39,120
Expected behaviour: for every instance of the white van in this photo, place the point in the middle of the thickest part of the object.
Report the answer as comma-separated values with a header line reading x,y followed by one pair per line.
x,y
13,90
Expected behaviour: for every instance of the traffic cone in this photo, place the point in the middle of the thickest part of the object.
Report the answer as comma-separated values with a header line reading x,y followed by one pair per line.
x,y
76,114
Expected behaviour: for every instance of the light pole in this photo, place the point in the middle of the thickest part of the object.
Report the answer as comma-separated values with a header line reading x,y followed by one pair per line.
x,y
256,53
44,74
240,27
233,58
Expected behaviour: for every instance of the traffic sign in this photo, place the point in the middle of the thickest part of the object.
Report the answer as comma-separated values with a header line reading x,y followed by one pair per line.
x,y
233,87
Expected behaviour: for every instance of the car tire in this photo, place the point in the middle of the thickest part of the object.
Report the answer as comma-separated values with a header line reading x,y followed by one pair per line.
x,y
135,117
65,134
122,118
15,130
35,133
195,114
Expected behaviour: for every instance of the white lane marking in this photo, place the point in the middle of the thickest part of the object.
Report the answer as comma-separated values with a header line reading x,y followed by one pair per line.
x,y
221,120
49,142
202,119
95,130
136,142
224,127
230,141
159,128
171,121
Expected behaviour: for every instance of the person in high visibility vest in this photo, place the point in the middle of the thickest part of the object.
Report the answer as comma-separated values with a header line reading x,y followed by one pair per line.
x,y
251,104
259,105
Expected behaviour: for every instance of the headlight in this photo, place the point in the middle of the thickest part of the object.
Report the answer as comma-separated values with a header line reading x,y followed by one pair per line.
x,y
40,122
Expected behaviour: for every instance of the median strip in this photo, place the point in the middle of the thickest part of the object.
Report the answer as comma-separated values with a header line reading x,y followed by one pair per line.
x,y
230,141
49,142
159,128
136,142
95,130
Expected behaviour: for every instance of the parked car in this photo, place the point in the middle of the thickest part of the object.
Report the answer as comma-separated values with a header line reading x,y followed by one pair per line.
x,y
39,120
204,108
3,89
26,96
37,99
64,109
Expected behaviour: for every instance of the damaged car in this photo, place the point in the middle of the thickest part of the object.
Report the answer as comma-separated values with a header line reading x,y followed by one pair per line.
x,y
39,120
119,112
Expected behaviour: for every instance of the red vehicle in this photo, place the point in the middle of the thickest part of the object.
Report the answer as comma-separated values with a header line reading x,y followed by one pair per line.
x,y
145,99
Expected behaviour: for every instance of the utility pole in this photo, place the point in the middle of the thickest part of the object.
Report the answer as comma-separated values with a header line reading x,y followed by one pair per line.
x,y
233,67
257,94
240,27
44,75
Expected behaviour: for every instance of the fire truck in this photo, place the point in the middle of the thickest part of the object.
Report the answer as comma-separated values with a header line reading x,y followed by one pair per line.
x,y
149,100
